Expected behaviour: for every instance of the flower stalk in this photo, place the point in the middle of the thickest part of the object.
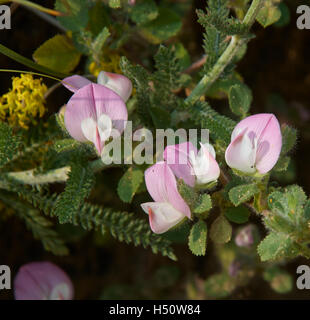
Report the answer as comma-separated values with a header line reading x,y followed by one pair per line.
x,y
232,49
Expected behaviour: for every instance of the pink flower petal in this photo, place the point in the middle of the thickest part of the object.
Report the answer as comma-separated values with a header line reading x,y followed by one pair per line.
x,y
208,169
116,82
42,281
162,216
75,82
241,153
269,146
162,186
92,101
177,157
264,133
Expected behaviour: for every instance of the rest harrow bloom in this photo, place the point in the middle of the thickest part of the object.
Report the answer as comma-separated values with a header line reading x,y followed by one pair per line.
x,y
169,207
42,281
24,102
192,166
92,112
256,144
116,82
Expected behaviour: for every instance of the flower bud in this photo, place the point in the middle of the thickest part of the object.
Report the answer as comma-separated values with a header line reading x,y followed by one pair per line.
x,y
42,281
256,144
245,237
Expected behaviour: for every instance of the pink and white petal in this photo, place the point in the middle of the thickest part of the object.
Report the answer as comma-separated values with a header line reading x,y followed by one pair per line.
x,y
177,157
108,102
174,196
155,182
116,82
241,153
162,216
209,148
75,82
254,124
209,170
37,281
80,106
269,146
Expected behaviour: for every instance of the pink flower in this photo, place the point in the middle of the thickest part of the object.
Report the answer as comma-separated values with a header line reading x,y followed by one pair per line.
x,y
92,112
169,207
190,165
255,144
116,82
42,281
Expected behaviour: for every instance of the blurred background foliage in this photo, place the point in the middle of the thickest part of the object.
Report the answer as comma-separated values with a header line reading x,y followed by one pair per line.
x,y
277,70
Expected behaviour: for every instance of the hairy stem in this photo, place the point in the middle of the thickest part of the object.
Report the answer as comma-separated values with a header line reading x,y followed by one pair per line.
x,y
52,176
232,49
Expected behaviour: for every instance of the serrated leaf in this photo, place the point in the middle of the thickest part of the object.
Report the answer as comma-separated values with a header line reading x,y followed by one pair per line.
x,y
78,187
101,38
219,285
277,246
65,145
187,193
221,230
143,12
129,184
240,99
75,16
166,25
203,204
282,164
289,137
242,193
268,14
8,144
57,54
238,214
197,240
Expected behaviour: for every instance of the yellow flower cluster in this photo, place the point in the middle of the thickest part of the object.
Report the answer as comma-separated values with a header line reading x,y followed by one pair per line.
x,y
109,63
24,102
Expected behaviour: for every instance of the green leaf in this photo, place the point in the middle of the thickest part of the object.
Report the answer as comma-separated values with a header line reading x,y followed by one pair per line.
x,y
219,285
221,230
57,54
115,4
279,280
129,184
197,241
282,164
98,18
240,98
143,12
238,214
78,187
166,25
99,41
76,13
242,193
289,138
277,246
187,193
203,204
268,14
9,144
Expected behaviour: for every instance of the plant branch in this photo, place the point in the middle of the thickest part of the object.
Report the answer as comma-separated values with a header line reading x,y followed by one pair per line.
x,y
232,49
52,176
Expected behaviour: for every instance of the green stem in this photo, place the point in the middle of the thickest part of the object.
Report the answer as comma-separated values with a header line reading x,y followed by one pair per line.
x,y
30,64
232,49
52,176
35,6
